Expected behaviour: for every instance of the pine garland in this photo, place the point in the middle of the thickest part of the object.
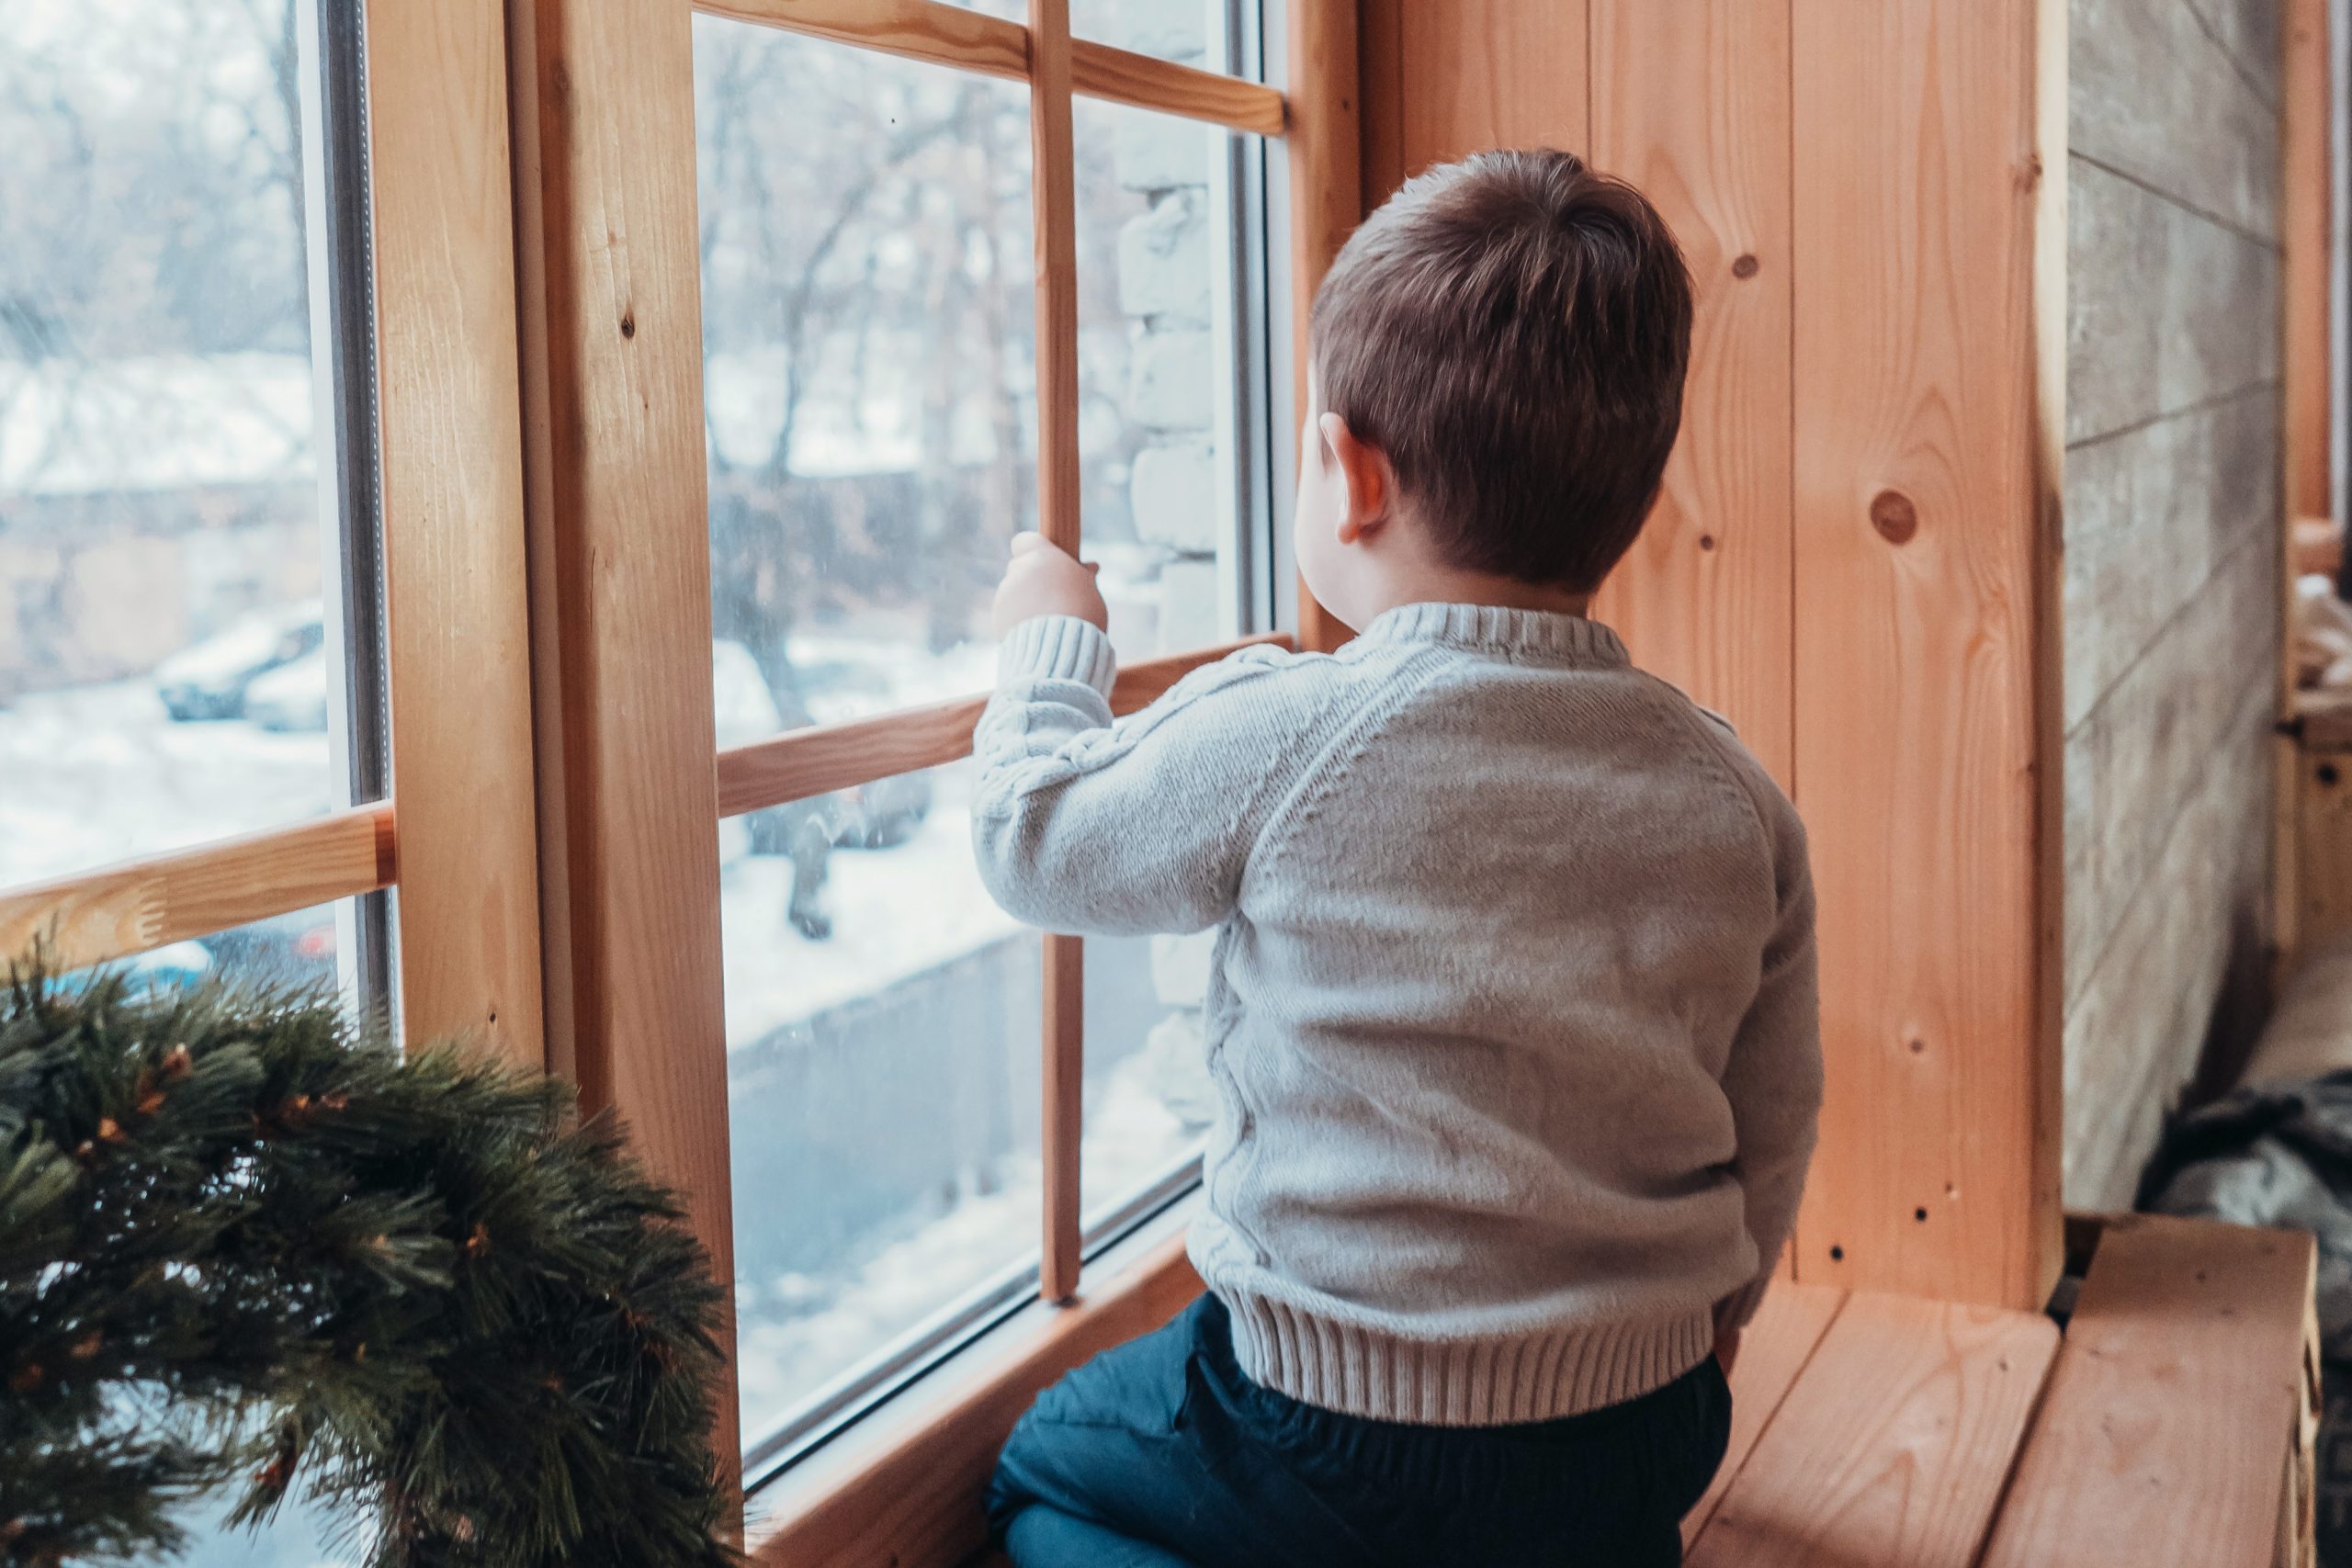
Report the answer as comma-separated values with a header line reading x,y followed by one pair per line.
x,y
242,1241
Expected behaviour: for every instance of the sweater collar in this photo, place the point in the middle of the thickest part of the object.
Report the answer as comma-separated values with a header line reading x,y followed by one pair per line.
x,y
1490,629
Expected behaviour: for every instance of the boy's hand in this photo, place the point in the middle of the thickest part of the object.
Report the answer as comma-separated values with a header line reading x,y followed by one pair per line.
x,y
1045,580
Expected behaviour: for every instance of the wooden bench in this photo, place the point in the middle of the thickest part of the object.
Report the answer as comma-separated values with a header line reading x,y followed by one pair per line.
x,y
2168,1425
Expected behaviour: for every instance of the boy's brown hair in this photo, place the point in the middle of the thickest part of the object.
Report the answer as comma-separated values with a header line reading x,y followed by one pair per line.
x,y
1512,331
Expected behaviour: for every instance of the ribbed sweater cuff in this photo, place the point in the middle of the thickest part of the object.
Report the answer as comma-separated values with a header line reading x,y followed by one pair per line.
x,y
1056,648
1480,1382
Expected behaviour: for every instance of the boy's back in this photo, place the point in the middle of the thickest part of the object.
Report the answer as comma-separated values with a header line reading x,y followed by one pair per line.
x,y
1498,913
1512,1015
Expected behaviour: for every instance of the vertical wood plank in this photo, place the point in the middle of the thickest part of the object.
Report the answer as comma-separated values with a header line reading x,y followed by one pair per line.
x,y
1689,103
621,575
1054,203
452,488
1482,74
1920,577
1326,202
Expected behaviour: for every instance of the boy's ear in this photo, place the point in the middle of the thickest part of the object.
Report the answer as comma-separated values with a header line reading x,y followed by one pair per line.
x,y
1367,485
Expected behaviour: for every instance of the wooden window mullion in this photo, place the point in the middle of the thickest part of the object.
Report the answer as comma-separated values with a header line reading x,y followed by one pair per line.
x,y
1055,205
458,628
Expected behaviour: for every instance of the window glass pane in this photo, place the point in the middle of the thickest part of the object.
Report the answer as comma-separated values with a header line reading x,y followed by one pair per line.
x,y
1159,444
297,947
883,1022
1149,1097
869,370
164,676
1157,376
1187,31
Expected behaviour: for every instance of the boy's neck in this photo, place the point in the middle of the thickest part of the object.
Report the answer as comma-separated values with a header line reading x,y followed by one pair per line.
x,y
1445,585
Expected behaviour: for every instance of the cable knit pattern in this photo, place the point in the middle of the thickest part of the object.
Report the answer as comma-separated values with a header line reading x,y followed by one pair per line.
x,y
1512,1014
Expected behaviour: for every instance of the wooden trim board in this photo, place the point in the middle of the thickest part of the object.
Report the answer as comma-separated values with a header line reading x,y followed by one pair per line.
x,y
97,916
818,760
448,412
603,100
1145,81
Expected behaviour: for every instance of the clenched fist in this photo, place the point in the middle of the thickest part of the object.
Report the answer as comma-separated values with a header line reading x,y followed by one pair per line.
x,y
1045,580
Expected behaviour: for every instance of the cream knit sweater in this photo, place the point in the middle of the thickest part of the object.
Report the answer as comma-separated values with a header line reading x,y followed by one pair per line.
x,y
1512,1014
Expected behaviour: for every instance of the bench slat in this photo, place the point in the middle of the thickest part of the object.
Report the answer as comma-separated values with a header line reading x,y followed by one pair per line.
x,y
1892,1448
2175,1398
1779,1342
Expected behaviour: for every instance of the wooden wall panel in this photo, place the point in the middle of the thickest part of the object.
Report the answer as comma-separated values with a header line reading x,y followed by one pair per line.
x,y
1704,598
1455,78
620,577
458,621
1919,587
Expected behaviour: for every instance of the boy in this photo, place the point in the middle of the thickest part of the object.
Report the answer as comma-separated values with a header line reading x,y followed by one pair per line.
x,y
1512,1010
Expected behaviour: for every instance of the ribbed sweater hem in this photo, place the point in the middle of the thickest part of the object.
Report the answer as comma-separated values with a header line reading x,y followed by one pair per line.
x,y
1541,1376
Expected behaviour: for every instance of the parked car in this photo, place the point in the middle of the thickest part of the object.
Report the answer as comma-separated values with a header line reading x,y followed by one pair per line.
x,y
295,948
209,679
292,697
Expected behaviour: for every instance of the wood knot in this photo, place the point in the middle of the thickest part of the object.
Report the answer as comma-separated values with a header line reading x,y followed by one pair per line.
x,y
1894,515
628,323
1746,266
1706,541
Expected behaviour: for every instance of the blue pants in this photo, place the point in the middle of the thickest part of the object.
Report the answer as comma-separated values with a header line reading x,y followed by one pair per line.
x,y
1161,1453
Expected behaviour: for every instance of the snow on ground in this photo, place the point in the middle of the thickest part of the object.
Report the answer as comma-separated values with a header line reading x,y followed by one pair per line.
x,y
802,1333
896,913
93,774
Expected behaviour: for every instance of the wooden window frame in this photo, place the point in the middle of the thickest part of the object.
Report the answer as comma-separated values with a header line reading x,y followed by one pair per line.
x,y
612,343
554,773
459,844
1322,151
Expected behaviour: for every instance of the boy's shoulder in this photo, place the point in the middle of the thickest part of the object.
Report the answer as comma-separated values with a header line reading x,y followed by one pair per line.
x,y
1775,811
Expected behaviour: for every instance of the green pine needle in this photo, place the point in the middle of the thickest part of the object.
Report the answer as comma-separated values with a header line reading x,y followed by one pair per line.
x,y
245,1244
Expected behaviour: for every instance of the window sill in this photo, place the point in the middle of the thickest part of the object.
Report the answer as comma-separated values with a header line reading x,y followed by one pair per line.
x,y
903,1487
